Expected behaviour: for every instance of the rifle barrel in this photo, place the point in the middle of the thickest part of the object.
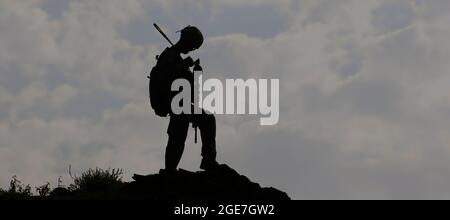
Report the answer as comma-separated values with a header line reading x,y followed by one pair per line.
x,y
162,33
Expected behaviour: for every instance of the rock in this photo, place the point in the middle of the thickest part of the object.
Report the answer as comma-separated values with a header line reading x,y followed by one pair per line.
x,y
222,184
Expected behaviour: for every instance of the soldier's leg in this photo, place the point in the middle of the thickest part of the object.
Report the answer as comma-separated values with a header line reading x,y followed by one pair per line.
x,y
178,129
207,126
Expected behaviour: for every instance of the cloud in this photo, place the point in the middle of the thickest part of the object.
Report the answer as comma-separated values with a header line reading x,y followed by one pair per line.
x,y
368,86
50,67
364,91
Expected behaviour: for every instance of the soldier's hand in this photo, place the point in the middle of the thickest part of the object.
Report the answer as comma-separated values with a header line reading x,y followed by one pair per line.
x,y
189,62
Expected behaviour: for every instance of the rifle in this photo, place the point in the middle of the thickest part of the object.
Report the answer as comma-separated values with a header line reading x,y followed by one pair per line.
x,y
162,33
197,67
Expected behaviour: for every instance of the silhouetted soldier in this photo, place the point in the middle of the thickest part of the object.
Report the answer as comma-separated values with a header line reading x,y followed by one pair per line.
x,y
174,66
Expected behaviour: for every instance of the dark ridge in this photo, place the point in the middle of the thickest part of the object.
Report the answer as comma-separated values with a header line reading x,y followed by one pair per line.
x,y
222,184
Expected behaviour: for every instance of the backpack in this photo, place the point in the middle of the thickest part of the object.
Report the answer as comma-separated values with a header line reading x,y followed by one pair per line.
x,y
159,89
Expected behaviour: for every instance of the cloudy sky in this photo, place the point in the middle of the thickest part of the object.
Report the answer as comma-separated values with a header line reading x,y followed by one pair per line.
x,y
364,95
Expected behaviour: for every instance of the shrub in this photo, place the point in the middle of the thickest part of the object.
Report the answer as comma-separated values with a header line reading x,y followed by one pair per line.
x,y
97,180
44,190
16,189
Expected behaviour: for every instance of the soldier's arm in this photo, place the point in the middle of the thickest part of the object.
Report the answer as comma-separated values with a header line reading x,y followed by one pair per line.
x,y
170,60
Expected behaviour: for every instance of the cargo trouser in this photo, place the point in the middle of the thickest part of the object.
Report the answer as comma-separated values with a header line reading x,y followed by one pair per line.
x,y
178,130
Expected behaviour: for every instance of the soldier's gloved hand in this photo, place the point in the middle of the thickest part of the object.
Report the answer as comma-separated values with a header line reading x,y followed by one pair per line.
x,y
189,62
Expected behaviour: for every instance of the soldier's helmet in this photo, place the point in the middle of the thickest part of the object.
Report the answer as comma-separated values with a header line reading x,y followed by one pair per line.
x,y
192,36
